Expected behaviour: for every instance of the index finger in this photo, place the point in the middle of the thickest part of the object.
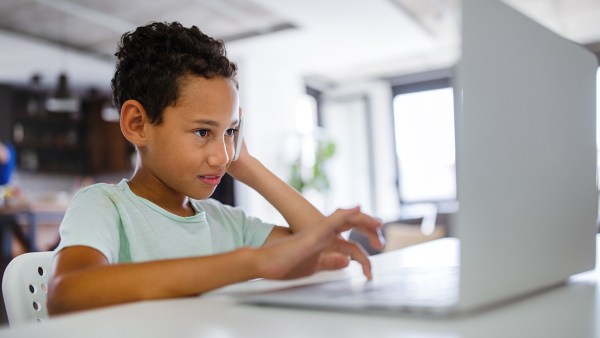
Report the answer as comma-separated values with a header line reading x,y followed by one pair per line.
x,y
370,227
357,253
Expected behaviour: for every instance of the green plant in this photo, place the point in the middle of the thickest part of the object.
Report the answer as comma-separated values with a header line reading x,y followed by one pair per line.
x,y
317,177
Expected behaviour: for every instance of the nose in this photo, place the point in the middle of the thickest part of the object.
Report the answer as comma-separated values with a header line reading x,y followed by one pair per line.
x,y
219,153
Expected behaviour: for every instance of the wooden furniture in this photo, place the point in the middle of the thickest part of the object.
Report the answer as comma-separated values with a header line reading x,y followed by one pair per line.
x,y
60,142
21,221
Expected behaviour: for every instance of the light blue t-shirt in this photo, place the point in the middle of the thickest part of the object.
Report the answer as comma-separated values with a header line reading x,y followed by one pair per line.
x,y
127,228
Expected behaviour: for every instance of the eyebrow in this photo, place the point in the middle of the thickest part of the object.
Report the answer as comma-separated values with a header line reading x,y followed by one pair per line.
x,y
207,122
213,123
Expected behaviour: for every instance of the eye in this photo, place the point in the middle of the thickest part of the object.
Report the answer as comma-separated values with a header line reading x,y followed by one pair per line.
x,y
201,132
231,132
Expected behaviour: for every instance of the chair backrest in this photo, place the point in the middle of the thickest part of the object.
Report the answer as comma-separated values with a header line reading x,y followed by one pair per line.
x,y
25,287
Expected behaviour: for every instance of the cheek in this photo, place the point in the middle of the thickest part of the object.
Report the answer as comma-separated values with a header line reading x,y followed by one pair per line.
x,y
230,144
173,153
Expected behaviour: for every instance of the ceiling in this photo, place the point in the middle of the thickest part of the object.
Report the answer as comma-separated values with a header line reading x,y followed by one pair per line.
x,y
336,40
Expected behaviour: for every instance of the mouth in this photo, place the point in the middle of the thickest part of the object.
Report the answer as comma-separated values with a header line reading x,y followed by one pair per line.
x,y
210,180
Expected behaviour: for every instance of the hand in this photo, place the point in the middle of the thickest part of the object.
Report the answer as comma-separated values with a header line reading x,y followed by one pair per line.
x,y
238,167
243,157
331,259
285,258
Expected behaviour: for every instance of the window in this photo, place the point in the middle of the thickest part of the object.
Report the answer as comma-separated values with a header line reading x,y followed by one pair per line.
x,y
425,150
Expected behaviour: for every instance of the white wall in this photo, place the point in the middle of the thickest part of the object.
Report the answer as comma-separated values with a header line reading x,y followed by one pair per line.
x,y
269,90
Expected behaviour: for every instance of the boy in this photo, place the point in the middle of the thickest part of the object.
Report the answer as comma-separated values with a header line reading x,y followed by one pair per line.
x,y
157,235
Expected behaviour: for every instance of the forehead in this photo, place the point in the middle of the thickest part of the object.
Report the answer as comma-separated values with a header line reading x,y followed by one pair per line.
x,y
200,90
199,98
202,99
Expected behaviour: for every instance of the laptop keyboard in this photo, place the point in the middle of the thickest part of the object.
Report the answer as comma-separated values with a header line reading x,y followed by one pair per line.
x,y
414,285
417,289
404,287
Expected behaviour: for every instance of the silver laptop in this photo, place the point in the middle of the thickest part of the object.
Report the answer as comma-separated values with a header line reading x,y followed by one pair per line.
x,y
526,178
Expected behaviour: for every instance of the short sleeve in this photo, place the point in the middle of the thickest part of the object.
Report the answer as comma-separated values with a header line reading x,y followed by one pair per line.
x,y
255,230
92,220
246,230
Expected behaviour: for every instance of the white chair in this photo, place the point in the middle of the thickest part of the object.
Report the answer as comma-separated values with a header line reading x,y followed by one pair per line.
x,y
25,287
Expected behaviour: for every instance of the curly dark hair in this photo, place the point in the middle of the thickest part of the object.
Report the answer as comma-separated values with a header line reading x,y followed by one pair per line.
x,y
152,59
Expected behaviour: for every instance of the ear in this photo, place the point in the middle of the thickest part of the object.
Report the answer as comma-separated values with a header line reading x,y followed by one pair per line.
x,y
134,122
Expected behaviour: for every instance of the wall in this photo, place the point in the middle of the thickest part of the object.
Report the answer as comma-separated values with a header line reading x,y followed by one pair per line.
x,y
269,90
270,87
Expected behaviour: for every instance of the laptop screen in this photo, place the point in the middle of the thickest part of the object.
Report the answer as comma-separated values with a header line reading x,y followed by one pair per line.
x,y
526,154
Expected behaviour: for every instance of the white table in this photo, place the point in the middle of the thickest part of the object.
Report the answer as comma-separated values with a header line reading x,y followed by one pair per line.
x,y
568,311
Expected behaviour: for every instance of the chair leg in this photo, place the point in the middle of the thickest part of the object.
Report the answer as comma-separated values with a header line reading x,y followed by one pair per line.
x,y
23,238
6,243
7,231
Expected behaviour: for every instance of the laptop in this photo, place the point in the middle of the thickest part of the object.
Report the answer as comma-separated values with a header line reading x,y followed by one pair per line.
x,y
526,179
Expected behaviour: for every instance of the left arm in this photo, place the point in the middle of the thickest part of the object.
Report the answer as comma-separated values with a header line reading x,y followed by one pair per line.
x,y
300,215
295,209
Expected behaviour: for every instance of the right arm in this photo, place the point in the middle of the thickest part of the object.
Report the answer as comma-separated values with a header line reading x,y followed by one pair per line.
x,y
81,277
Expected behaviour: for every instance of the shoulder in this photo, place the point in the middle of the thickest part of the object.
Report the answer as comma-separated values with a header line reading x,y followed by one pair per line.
x,y
98,193
103,189
98,189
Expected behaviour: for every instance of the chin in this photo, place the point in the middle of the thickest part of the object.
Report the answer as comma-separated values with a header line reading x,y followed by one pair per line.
x,y
202,195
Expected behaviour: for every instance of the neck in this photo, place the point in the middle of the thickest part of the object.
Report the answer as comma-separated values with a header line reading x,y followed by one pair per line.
x,y
161,195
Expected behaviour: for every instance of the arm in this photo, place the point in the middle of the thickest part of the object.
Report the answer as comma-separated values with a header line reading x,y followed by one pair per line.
x,y
81,277
81,270
295,209
302,216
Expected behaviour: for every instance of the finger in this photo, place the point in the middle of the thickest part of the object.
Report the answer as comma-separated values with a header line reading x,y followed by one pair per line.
x,y
370,227
357,253
375,237
339,220
380,238
345,219
332,261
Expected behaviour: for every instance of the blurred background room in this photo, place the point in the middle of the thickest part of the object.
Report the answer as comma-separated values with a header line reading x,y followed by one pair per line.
x,y
350,101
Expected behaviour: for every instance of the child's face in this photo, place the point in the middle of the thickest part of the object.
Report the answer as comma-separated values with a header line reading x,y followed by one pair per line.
x,y
190,151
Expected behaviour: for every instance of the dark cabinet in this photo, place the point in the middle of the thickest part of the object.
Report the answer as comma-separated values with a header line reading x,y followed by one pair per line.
x,y
74,143
51,143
